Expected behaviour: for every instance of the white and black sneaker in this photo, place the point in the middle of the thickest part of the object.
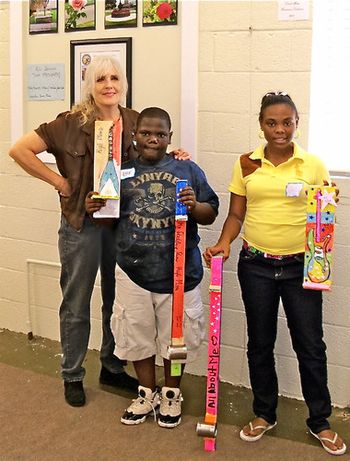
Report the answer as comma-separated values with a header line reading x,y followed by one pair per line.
x,y
146,404
170,407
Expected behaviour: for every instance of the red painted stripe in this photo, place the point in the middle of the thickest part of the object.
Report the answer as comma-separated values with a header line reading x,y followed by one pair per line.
x,y
179,279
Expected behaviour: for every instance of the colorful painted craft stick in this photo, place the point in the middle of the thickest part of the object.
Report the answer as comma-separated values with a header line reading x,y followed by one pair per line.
x,y
107,164
208,429
177,351
320,221
109,181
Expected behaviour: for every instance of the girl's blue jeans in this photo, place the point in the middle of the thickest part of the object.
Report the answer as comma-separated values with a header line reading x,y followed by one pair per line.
x,y
264,282
82,253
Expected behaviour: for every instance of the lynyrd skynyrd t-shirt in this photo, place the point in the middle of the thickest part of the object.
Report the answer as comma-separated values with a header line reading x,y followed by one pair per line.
x,y
145,229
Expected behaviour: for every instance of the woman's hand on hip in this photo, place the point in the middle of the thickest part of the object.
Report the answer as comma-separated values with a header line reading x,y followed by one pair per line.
x,y
63,187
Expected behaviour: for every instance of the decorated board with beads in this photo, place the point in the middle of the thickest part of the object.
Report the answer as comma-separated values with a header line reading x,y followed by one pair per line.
x,y
318,262
107,164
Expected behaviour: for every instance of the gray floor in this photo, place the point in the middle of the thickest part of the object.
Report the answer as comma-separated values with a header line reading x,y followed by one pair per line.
x,y
43,356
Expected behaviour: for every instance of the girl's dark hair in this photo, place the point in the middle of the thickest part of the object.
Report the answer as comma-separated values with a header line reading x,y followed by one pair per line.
x,y
154,112
276,97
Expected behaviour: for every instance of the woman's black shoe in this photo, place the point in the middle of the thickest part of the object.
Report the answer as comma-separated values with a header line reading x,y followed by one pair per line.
x,y
74,393
121,380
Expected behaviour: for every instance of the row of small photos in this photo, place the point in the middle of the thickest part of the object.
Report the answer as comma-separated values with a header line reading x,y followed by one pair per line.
x,y
81,14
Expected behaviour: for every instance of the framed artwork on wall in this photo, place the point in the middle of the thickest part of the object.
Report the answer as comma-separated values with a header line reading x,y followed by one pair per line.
x,y
82,52
43,16
159,12
79,15
120,13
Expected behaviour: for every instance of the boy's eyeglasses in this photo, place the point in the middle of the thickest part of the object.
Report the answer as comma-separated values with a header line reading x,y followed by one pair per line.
x,y
277,93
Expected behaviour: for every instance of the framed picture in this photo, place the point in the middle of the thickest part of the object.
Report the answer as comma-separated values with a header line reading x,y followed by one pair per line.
x,y
120,13
79,15
159,12
43,16
82,52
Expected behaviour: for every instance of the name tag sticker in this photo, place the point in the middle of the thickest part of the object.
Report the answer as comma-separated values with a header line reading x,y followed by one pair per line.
x,y
129,173
293,189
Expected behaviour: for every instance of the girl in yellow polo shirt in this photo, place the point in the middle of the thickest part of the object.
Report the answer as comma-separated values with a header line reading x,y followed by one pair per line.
x,y
268,194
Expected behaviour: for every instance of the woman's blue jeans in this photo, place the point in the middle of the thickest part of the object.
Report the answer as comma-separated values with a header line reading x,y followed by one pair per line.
x,y
264,282
82,253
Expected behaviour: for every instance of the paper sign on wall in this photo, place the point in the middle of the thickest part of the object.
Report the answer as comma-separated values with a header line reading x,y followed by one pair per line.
x,y
293,10
46,82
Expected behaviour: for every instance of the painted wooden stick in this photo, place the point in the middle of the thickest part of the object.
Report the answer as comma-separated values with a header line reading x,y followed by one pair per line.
x,y
320,219
107,167
177,351
208,429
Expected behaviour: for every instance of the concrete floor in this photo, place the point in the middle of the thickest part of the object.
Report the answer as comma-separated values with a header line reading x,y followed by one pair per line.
x,y
43,356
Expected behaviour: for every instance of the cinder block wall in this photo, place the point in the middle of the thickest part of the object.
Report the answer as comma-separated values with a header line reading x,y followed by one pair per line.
x,y
29,214
4,84
244,52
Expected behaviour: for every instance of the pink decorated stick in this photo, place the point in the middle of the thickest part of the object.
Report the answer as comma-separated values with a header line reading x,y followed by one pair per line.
x,y
209,428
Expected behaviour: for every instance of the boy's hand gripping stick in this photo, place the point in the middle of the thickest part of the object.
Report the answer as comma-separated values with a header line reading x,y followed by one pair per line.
x,y
177,351
208,429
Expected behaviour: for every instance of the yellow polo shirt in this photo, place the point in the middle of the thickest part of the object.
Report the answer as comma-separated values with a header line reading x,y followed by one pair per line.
x,y
276,200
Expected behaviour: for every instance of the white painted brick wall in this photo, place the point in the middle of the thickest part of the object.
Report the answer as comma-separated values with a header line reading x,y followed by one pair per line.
x,y
243,52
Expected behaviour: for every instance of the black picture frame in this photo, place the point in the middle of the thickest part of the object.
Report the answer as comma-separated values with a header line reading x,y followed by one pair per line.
x,y
81,53
43,17
73,17
128,18
159,13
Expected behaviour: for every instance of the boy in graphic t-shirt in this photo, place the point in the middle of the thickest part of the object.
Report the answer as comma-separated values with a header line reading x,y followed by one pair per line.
x,y
142,314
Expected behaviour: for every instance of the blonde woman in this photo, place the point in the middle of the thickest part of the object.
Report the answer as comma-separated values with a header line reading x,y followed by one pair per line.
x,y
84,246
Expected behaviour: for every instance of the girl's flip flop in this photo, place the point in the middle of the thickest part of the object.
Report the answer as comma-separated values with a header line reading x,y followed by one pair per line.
x,y
339,451
255,438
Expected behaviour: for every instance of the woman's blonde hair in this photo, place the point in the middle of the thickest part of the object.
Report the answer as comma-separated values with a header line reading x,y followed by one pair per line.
x,y
98,67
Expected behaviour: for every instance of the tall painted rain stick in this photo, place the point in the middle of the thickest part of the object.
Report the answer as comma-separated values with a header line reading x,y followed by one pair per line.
x,y
177,351
208,429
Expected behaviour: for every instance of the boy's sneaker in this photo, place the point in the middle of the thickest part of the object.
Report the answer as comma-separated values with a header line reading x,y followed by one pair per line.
x,y
170,407
146,404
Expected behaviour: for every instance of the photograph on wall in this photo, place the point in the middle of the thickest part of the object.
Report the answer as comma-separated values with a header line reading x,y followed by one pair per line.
x,y
43,16
159,13
82,52
120,13
79,15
